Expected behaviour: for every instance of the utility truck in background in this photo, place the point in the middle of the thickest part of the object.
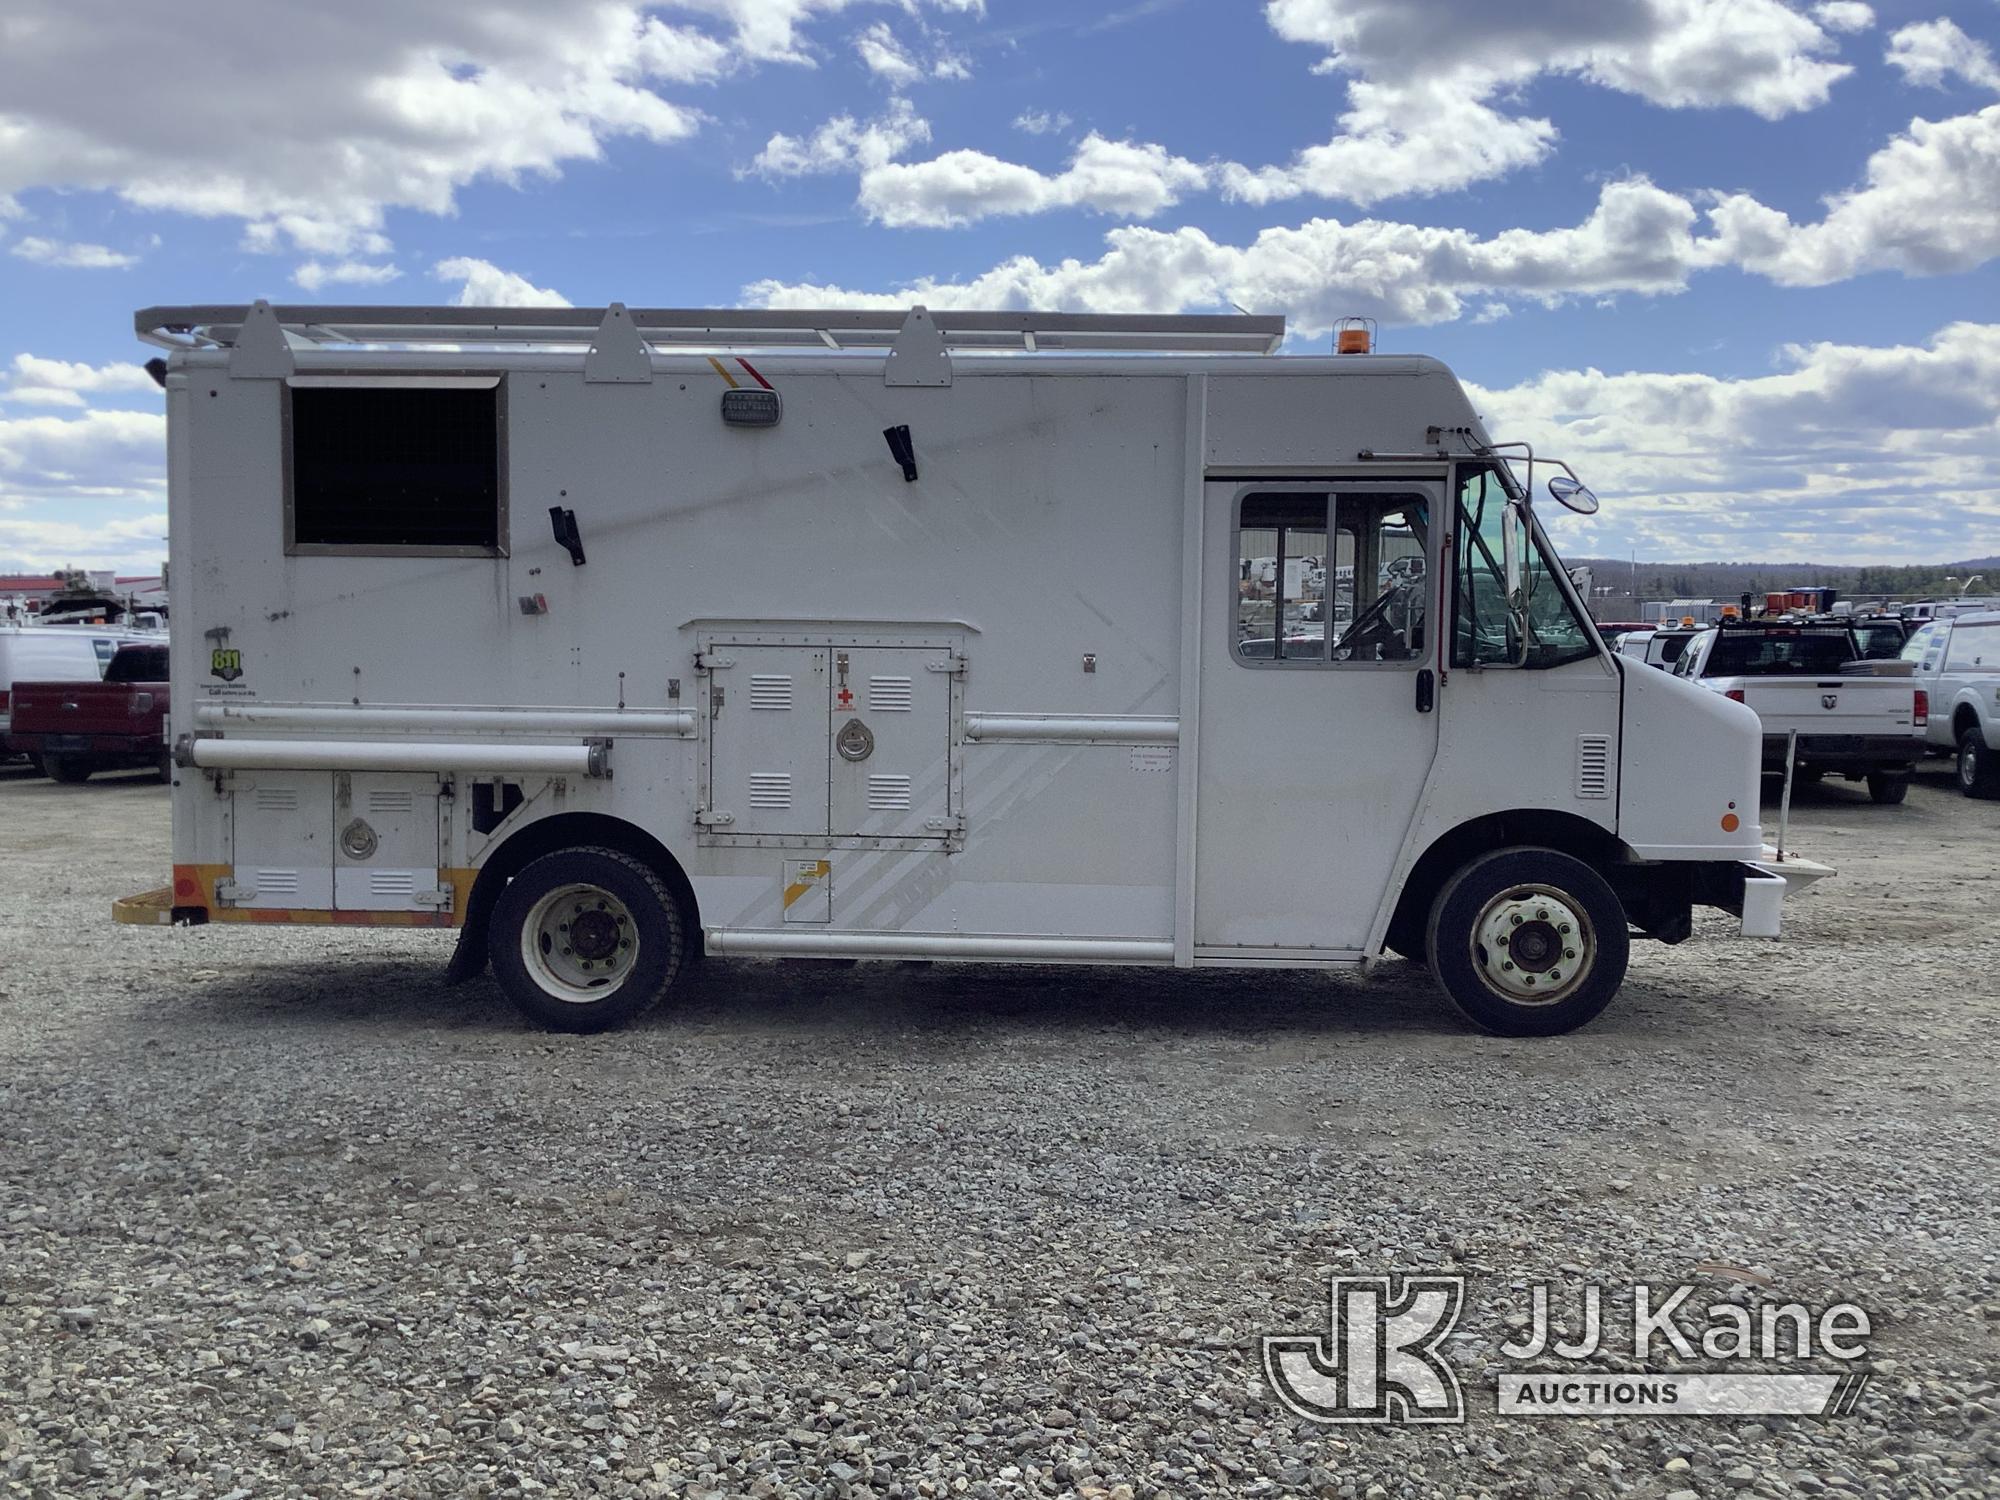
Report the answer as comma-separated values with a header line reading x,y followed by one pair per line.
x,y
1823,709
615,637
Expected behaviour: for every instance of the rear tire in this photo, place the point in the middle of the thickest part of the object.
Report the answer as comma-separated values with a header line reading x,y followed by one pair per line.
x,y
69,769
164,769
1978,766
1548,910
585,939
1888,787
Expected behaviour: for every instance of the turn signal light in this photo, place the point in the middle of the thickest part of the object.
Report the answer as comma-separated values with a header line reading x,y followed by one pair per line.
x,y
1920,711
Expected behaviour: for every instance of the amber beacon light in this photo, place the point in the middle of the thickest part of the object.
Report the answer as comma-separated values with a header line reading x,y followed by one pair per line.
x,y
1354,336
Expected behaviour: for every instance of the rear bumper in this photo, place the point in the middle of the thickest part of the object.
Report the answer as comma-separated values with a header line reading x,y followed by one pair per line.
x,y
136,746
1766,883
1847,752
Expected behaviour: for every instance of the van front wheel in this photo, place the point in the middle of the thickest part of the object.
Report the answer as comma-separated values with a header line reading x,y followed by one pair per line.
x,y
585,939
1528,942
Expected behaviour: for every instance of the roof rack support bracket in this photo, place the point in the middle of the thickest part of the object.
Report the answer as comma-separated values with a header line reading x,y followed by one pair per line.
x,y
618,356
918,357
261,351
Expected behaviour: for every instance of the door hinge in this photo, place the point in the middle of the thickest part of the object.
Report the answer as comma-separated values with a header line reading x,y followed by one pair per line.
x,y
953,666
708,661
953,824
705,817
229,893
438,900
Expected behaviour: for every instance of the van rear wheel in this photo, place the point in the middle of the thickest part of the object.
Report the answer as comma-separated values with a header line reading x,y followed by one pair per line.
x,y
1528,942
585,939
1888,787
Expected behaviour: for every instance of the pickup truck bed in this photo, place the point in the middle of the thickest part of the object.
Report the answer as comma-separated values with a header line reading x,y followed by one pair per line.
x,y
78,728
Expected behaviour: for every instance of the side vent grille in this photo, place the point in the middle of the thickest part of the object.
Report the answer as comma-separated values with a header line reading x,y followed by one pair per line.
x,y
771,789
770,690
380,802
277,799
891,695
1593,765
276,882
392,883
888,793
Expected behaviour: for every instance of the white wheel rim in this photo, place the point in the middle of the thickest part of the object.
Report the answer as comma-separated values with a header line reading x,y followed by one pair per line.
x,y
1533,945
580,944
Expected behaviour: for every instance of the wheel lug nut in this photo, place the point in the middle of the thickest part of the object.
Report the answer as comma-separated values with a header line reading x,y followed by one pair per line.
x,y
1563,928
626,943
1515,919
1569,953
1506,963
1541,916
568,953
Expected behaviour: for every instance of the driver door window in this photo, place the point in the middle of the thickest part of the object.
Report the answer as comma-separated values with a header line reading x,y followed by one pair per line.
x,y
1328,580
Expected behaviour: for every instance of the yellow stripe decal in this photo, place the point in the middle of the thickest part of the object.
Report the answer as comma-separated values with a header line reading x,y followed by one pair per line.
x,y
724,373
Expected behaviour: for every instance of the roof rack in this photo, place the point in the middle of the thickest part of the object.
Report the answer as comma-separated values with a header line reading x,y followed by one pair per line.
x,y
218,326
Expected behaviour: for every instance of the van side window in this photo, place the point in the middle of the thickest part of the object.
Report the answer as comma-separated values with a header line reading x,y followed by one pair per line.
x,y
395,470
1281,577
1354,593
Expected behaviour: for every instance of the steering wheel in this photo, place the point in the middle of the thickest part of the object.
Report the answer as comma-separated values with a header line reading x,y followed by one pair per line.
x,y
1370,628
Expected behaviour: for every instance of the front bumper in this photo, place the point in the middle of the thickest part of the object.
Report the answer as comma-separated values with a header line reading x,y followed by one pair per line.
x,y
1766,883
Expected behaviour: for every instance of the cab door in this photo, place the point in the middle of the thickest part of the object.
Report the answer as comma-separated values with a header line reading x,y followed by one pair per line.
x,y
1318,709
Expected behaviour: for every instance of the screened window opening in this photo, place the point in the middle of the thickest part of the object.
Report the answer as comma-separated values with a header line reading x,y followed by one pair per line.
x,y
392,469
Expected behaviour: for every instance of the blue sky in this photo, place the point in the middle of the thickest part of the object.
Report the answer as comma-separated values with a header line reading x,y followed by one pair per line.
x,y
1734,258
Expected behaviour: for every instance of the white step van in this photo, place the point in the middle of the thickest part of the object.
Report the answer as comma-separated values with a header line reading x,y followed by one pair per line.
x,y
615,637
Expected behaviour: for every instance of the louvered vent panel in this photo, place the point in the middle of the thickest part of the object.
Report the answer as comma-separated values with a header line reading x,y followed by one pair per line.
x,y
391,801
1593,765
891,695
392,882
771,789
276,882
277,799
888,793
770,690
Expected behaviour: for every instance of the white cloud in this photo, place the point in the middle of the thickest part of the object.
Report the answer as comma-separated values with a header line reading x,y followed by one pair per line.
x,y
962,187
310,121
486,285
313,274
1402,140
1637,239
843,145
1042,122
1844,15
768,30
35,381
1930,53
885,57
71,255
1427,79
1929,204
86,487
1848,453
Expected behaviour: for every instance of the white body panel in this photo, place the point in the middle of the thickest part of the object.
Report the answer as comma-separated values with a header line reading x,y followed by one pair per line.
x,y
1957,662
1063,758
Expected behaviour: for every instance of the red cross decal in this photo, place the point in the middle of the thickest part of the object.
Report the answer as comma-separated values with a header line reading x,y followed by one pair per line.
x,y
846,699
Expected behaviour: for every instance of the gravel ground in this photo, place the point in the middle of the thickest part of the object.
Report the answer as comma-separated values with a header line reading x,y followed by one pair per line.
x,y
282,1215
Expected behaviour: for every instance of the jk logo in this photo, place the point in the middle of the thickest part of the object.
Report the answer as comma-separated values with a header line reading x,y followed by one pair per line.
x,y
1379,1360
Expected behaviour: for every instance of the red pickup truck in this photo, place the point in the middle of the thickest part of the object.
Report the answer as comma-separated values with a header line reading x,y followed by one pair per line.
x,y
75,729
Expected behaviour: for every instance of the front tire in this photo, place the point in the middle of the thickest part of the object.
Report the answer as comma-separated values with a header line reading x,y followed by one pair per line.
x,y
1978,766
69,769
1888,787
1528,942
585,939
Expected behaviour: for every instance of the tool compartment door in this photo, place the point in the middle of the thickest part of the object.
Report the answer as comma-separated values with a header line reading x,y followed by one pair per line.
x,y
889,751
281,835
768,744
385,843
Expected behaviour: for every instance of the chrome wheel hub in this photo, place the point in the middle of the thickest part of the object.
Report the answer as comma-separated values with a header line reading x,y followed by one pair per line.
x,y
1533,945
579,943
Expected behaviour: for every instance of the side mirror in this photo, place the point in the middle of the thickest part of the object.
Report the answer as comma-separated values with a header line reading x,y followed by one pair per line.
x,y
1574,494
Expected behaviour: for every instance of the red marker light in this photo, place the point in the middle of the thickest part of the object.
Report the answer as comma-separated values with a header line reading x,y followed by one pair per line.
x,y
1920,710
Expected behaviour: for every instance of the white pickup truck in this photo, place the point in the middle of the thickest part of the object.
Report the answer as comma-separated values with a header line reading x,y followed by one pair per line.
x,y
1957,663
1853,718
